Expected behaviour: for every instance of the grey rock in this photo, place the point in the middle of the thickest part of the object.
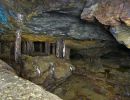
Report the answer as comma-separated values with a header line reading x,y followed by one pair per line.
x,y
107,12
16,88
71,7
64,25
41,69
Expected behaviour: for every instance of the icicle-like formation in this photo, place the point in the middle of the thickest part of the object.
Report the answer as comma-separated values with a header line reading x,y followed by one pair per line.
x,y
18,33
60,49
57,49
18,45
64,49
18,39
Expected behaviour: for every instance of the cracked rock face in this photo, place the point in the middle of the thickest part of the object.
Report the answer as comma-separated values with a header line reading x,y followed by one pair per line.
x,y
107,12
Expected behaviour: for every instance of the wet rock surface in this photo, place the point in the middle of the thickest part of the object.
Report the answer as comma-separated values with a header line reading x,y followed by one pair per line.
x,y
99,75
14,87
91,89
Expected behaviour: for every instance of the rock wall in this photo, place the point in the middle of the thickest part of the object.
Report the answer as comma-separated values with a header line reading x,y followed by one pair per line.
x,y
113,13
57,24
107,12
62,17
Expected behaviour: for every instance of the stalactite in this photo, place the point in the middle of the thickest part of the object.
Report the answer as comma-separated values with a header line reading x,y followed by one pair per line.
x,y
0,47
59,48
67,53
53,48
12,48
31,44
24,47
18,39
11,51
40,44
30,47
47,48
64,50
18,46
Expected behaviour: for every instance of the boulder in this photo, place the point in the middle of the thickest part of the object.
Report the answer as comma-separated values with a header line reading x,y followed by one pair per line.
x,y
43,69
16,88
107,12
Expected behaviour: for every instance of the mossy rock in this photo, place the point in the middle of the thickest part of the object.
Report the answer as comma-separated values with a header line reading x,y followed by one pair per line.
x,y
38,68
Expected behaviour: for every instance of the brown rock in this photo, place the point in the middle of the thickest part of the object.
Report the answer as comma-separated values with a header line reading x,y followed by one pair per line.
x,y
39,69
107,12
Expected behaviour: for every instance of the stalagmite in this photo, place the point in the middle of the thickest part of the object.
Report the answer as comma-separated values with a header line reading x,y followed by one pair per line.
x,y
57,49
66,51
28,47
